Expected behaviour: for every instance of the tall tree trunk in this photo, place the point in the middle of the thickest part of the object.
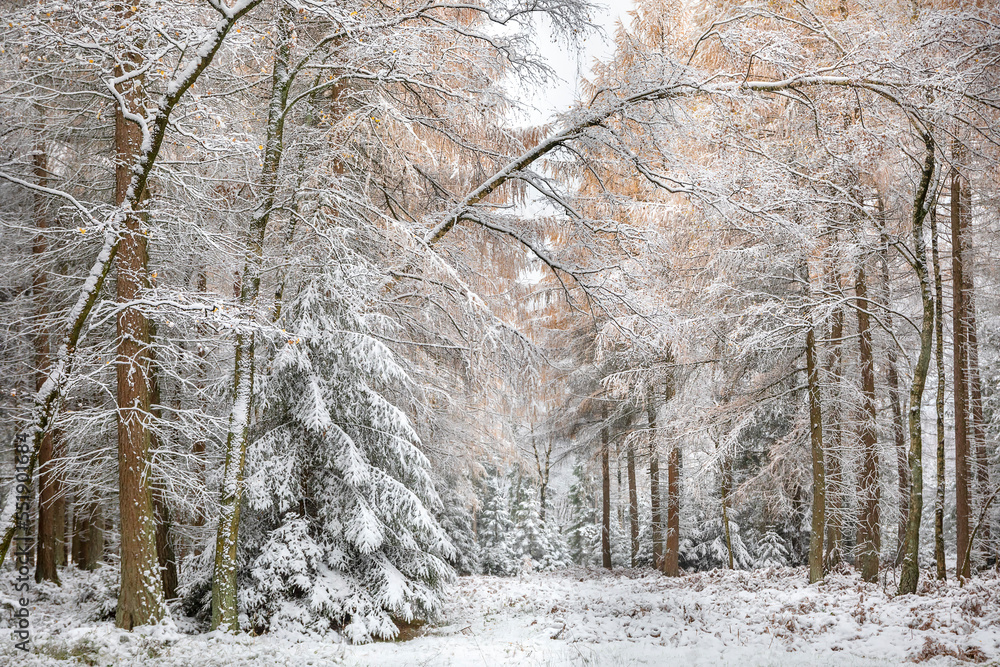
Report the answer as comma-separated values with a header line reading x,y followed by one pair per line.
x,y
605,493
869,535
892,381
224,609
654,482
963,476
140,600
543,466
48,485
633,503
198,448
910,573
671,556
977,448
60,509
939,399
165,553
835,482
724,493
88,538
818,525
94,552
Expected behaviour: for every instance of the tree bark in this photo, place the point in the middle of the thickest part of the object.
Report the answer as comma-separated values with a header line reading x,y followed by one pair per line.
x,y
224,609
671,555
605,493
165,552
140,600
818,525
48,485
88,538
939,399
633,504
834,488
869,535
910,574
724,493
654,482
892,381
963,476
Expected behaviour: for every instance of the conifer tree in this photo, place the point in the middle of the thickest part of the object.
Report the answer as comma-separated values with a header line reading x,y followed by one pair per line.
x,y
340,493
495,528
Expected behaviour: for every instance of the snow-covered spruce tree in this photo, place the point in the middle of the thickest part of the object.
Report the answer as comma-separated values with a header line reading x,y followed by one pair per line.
x,y
456,521
772,551
583,535
530,538
706,549
339,492
494,530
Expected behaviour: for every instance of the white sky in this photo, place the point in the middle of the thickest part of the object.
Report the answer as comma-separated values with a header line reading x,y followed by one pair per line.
x,y
571,65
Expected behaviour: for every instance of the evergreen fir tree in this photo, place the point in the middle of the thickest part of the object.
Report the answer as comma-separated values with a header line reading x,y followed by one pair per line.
x,y
339,491
706,548
530,537
772,551
456,520
495,528
584,535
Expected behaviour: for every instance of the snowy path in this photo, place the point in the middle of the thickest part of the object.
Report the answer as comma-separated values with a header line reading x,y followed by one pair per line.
x,y
580,617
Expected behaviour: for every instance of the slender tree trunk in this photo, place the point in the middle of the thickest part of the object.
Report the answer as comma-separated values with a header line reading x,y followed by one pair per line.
x,y
892,381
80,525
198,448
910,574
88,539
633,503
835,482
939,399
543,466
165,553
724,493
654,482
94,552
224,609
605,493
869,535
963,476
977,448
60,509
818,525
140,600
671,556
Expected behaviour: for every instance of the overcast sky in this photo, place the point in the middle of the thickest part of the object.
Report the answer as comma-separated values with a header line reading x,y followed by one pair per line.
x,y
570,65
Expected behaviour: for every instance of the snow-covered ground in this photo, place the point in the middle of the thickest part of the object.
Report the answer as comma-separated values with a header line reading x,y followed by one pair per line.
x,y
588,617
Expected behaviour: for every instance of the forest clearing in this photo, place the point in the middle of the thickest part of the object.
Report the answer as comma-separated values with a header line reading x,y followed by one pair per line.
x,y
759,618
499,332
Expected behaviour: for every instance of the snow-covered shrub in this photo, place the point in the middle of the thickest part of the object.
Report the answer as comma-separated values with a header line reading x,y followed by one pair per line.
x,y
338,488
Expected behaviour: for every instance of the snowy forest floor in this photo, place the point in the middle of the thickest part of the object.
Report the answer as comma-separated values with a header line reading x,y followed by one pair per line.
x,y
582,617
